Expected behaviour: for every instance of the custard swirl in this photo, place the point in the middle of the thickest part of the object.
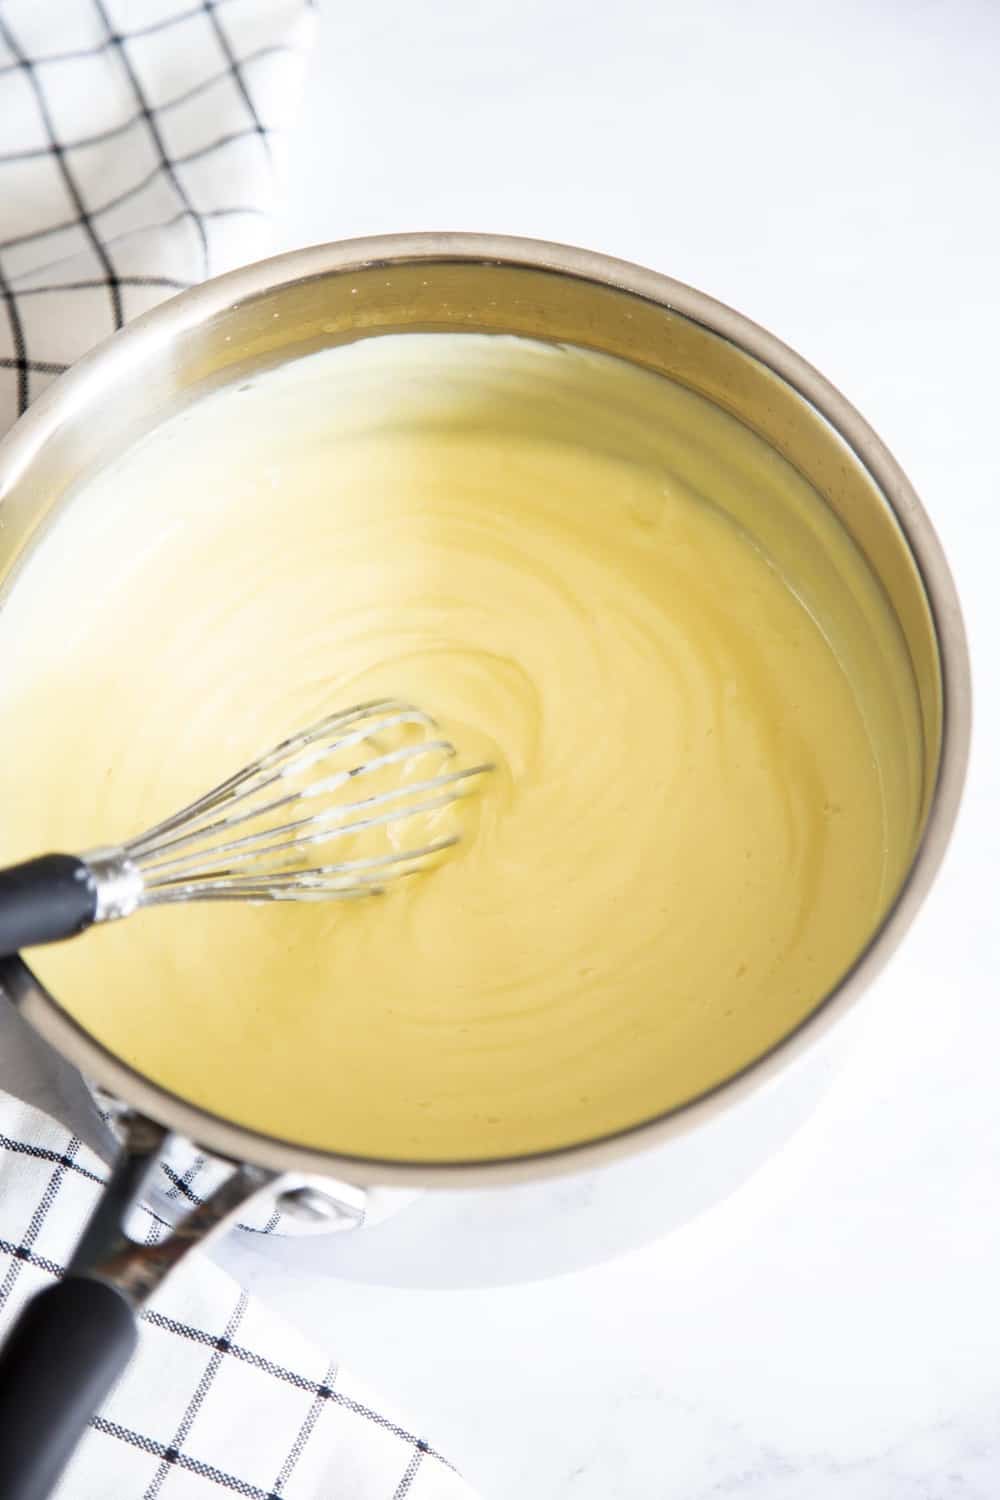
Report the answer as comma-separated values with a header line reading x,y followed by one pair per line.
x,y
686,840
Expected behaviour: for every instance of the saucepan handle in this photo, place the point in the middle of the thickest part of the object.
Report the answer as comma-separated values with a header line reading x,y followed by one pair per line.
x,y
57,1365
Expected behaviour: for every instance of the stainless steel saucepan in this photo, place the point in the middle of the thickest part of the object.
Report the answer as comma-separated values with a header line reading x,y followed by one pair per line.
x,y
281,309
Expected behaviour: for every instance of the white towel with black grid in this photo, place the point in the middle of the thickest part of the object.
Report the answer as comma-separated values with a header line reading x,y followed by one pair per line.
x,y
140,145
140,150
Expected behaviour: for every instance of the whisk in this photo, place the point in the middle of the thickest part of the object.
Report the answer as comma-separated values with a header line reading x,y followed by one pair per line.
x,y
338,811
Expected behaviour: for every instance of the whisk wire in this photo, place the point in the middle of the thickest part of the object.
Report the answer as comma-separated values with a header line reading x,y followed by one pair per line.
x,y
145,848
238,842
249,847
252,778
344,879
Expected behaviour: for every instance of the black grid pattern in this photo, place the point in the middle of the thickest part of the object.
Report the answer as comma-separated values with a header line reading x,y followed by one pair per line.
x,y
222,1398
133,163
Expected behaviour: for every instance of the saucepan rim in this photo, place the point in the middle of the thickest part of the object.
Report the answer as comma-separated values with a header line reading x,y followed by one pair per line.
x,y
79,386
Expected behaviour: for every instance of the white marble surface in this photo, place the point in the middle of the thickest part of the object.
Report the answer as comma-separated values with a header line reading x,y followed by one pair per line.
x,y
833,1327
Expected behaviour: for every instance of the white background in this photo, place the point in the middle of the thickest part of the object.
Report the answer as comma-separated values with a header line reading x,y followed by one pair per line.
x,y
831,170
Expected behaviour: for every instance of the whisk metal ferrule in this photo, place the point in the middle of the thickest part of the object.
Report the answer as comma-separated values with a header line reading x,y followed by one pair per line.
x,y
119,884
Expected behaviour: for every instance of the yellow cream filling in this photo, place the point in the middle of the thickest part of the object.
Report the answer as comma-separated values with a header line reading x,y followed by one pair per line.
x,y
698,701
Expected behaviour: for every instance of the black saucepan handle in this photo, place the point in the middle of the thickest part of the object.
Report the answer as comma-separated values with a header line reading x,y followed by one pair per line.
x,y
45,900
59,1361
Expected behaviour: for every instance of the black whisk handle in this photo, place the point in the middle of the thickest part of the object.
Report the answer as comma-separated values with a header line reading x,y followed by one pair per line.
x,y
45,900
58,1363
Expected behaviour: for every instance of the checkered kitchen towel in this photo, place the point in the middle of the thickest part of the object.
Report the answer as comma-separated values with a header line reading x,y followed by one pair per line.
x,y
138,151
139,141
222,1397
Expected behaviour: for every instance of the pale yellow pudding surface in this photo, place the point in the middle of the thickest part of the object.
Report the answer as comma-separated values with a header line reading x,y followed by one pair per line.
x,y
708,775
